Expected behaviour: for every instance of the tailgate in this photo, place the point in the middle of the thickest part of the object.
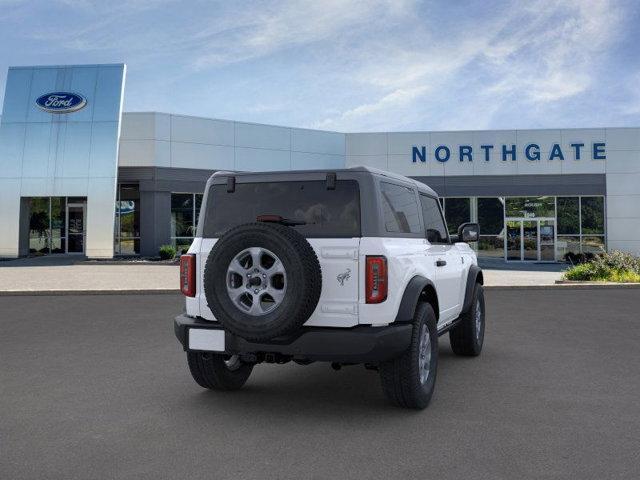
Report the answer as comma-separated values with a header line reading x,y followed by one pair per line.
x,y
338,304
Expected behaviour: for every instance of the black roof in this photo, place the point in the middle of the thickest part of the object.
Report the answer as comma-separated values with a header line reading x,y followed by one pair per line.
x,y
357,169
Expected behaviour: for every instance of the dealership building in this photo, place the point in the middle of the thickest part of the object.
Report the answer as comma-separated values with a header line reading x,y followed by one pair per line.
x,y
80,176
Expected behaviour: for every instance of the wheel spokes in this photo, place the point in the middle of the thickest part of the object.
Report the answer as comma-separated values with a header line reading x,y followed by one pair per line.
x,y
237,267
256,281
256,307
276,268
276,294
256,256
424,354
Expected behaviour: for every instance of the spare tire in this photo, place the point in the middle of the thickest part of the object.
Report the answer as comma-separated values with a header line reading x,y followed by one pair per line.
x,y
262,280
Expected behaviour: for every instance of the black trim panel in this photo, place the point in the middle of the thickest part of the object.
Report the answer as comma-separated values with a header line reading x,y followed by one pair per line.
x,y
410,298
472,277
361,344
449,326
517,185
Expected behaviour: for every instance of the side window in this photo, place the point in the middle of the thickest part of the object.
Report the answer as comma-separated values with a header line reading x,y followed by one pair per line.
x,y
433,221
400,209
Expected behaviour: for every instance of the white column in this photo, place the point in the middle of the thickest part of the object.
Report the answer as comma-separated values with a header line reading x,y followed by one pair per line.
x,y
623,189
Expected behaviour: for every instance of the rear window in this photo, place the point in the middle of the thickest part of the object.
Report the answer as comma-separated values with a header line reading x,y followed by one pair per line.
x,y
327,213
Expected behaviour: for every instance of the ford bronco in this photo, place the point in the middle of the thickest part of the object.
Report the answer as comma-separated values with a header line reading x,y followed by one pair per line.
x,y
351,266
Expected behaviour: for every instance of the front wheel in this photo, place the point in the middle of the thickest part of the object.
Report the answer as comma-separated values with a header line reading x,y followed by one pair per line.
x,y
218,372
467,337
409,380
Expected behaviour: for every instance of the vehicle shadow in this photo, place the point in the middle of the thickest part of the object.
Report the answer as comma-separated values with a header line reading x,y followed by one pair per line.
x,y
293,391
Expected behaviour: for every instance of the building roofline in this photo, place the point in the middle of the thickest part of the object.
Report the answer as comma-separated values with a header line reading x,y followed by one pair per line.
x,y
84,65
229,120
377,132
493,130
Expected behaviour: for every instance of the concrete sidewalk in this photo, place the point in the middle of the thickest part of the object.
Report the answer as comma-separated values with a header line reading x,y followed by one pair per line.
x,y
498,273
68,274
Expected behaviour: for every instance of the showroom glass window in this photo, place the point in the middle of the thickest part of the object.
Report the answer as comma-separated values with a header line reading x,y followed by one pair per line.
x,y
491,221
568,225
581,225
48,224
58,228
127,227
530,207
40,225
456,212
185,210
592,220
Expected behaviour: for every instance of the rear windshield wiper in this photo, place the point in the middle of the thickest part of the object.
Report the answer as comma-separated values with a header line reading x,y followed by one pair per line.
x,y
279,219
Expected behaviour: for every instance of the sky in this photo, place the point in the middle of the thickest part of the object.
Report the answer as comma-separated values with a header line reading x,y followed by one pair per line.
x,y
351,65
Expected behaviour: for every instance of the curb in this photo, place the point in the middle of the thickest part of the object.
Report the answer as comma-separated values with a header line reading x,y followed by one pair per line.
x,y
565,286
22,293
122,262
577,284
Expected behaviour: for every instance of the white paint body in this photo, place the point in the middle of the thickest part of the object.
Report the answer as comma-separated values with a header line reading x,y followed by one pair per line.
x,y
344,305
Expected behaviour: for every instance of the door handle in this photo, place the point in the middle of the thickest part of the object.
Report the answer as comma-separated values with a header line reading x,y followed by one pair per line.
x,y
441,263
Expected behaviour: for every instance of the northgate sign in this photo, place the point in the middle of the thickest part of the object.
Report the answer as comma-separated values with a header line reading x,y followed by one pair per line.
x,y
531,152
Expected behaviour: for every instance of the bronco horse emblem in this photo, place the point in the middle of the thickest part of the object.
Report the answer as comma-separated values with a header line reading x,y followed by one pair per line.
x,y
342,277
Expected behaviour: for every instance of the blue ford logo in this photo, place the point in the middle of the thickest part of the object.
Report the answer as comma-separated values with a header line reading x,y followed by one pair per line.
x,y
61,102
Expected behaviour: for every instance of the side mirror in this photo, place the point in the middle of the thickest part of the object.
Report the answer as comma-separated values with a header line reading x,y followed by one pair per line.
x,y
469,232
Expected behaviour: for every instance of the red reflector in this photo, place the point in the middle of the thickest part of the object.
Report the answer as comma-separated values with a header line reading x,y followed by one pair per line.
x,y
188,275
376,279
269,218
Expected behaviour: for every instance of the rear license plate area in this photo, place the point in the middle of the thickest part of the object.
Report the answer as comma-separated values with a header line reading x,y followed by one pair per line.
x,y
209,340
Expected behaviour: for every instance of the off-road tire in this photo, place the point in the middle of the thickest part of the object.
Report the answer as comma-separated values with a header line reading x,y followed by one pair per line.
x,y
465,338
401,377
210,371
304,280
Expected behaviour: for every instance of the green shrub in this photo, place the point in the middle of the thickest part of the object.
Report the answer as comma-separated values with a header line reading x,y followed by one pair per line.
x,y
624,277
582,271
617,260
607,267
167,252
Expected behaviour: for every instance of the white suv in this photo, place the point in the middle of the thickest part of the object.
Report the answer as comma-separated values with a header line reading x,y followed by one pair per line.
x,y
347,266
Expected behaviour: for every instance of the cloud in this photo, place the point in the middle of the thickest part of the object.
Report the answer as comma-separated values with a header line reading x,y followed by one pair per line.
x,y
551,57
272,27
213,34
534,55
398,98
630,105
342,64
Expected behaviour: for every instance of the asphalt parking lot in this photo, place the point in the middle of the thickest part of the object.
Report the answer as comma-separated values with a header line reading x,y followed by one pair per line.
x,y
97,387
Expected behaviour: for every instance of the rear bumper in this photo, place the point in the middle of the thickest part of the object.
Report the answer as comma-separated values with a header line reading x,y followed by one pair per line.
x,y
361,344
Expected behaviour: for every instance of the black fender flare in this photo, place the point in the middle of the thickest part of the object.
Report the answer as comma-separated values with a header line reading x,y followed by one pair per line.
x,y
411,297
474,276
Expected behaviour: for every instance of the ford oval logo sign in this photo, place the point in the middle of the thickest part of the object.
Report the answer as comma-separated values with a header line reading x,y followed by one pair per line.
x,y
61,102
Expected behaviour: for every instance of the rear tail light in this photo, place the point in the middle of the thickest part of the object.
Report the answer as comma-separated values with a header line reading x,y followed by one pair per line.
x,y
188,275
376,279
